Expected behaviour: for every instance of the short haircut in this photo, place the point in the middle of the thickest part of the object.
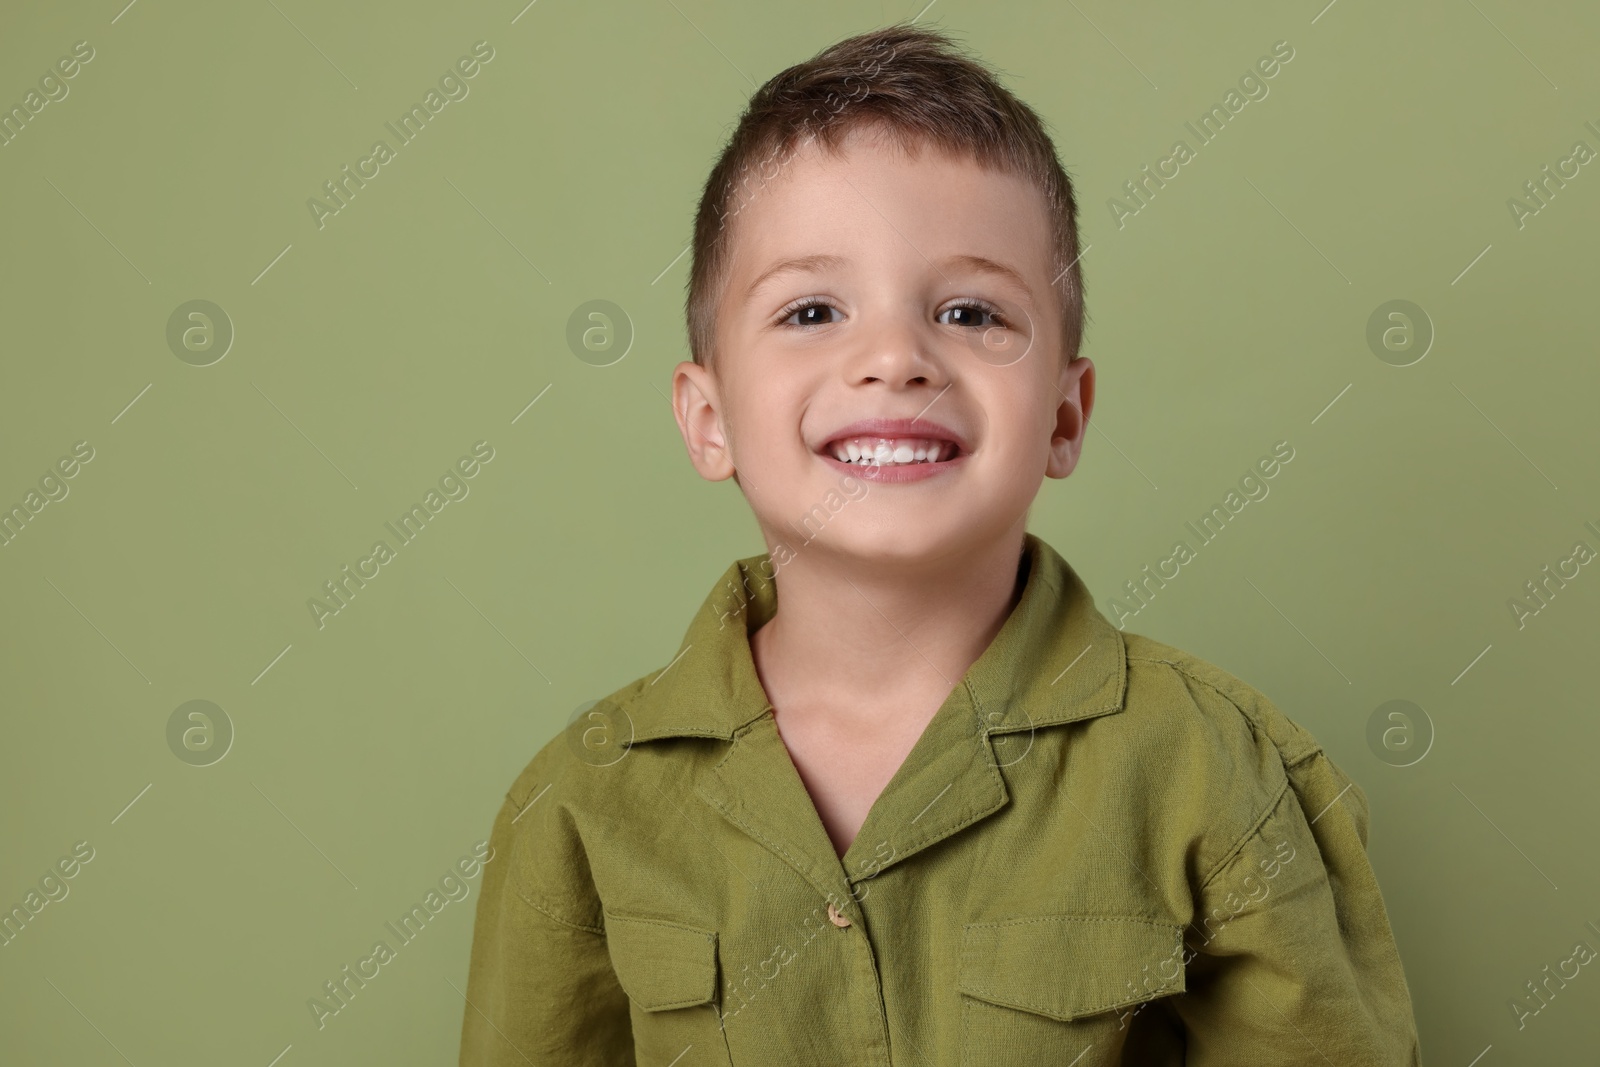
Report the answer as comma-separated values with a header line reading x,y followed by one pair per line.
x,y
914,84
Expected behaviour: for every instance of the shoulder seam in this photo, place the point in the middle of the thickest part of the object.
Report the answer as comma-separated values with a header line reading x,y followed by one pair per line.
x,y
517,882
1314,748
1272,804
552,916
1255,826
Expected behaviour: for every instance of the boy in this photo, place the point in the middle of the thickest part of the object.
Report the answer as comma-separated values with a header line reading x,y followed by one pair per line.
x,y
937,810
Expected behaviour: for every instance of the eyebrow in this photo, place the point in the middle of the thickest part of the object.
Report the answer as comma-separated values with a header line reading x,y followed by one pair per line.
x,y
823,261
980,265
799,265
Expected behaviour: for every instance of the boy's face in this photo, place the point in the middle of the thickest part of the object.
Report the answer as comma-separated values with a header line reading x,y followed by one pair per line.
x,y
907,323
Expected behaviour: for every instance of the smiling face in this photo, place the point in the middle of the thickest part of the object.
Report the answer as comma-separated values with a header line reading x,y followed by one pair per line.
x,y
888,319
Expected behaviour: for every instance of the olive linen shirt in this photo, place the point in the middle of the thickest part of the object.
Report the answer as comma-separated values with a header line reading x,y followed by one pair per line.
x,y
1101,850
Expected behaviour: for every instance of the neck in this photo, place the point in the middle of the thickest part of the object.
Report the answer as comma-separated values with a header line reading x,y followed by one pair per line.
x,y
861,640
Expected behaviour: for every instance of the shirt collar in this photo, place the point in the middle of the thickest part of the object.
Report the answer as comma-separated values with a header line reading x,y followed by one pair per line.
x,y
1056,658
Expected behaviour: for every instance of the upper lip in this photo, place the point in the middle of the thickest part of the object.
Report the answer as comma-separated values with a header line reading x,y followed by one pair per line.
x,y
895,428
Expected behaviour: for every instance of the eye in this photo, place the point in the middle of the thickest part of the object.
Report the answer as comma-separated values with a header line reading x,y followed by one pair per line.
x,y
973,311
812,312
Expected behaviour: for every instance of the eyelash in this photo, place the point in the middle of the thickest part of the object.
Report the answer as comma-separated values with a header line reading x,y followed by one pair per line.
x,y
972,303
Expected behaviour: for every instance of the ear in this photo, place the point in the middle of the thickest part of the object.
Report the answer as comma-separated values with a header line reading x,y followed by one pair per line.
x,y
1075,387
696,404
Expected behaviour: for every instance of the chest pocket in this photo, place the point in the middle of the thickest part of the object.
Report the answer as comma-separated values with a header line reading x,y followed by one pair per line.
x,y
1049,988
669,971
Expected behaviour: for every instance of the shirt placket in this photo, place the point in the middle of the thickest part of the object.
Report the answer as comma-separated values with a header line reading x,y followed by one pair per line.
x,y
757,789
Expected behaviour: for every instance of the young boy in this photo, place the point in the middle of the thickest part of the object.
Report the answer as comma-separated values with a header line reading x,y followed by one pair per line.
x,y
936,810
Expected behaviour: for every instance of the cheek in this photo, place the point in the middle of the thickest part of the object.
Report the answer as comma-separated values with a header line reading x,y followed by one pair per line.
x,y
1021,423
765,416
1020,414
763,438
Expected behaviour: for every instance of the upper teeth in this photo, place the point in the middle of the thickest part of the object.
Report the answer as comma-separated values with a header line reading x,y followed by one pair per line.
x,y
886,451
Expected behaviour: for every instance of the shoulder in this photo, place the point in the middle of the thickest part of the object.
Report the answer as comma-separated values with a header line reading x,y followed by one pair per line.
x,y
552,805
1156,669
1228,755
595,735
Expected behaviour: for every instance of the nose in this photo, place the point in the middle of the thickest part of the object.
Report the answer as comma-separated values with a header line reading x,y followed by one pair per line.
x,y
900,353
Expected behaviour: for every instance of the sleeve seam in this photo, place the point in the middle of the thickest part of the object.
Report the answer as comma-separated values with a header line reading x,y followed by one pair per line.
x,y
1255,728
1254,828
553,917
522,894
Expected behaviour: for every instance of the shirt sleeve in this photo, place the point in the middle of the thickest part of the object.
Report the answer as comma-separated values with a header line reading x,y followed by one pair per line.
x,y
1290,958
540,988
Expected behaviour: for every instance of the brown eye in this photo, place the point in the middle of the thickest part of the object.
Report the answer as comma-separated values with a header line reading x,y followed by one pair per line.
x,y
971,315
815,313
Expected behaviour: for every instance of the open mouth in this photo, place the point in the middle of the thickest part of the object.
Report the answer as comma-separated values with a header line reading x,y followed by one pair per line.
x,y
874,451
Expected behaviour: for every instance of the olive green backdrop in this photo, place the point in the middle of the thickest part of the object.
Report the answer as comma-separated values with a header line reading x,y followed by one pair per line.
x,y
1442,458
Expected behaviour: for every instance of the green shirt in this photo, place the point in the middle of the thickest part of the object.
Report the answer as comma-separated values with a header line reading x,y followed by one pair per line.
x,y
1102,850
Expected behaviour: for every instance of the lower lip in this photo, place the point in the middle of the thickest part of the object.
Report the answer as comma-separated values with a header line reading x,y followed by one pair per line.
x,y
897,472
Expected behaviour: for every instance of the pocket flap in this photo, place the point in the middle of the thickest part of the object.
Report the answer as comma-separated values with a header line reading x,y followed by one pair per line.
x,y
1070,966
661,964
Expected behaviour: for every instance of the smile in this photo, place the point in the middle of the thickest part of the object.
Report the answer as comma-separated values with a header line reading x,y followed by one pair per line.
x,y
891,451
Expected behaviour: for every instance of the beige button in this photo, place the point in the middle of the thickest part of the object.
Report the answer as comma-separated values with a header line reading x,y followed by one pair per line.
x,y
834,916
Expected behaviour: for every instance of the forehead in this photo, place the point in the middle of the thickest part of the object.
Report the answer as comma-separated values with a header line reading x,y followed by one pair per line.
x,y
876,203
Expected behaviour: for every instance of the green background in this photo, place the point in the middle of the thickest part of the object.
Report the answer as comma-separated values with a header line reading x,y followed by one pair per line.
x,y
372,753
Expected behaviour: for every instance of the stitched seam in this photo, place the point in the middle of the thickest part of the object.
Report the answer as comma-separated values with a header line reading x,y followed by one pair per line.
x,y
1311,753
971,814
1276,901
916,843
748,828
1032,724
1255,827
668,1006
1306,758
635,696
1254,724
680,927
738,736
705,938
517,883
556,918
1168,985
1075,919
1094,1008
669,730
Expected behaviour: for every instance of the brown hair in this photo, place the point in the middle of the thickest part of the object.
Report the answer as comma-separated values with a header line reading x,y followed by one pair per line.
x,y
914,84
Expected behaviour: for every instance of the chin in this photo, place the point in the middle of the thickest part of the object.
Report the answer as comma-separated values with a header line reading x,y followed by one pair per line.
x,y
901,543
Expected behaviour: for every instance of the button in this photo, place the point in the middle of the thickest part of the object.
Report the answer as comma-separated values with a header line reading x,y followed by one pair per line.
x,y
834,916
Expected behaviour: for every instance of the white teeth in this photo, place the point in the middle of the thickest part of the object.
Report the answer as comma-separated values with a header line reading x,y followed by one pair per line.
x,y
884,451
